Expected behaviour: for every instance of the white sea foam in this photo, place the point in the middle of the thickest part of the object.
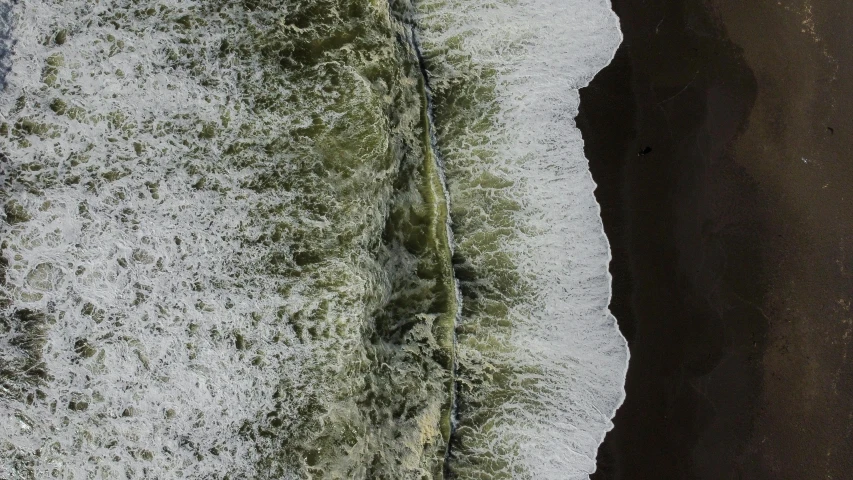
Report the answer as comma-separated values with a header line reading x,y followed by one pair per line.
x,y
144,268
196,232
138,251
537,54
5,40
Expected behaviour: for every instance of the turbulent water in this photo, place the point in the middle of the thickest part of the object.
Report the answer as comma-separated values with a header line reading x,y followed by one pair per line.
x,y
302,239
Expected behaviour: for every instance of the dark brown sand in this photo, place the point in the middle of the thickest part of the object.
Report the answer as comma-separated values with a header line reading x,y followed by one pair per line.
x,y
732,238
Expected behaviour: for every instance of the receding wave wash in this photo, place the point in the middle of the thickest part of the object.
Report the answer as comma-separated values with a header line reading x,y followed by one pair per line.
x,y
287,239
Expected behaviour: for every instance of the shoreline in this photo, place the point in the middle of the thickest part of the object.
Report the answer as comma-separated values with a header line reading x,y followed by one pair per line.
x,y
710,141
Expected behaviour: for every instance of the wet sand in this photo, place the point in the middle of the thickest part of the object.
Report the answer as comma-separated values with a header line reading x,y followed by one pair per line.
x,y
732,236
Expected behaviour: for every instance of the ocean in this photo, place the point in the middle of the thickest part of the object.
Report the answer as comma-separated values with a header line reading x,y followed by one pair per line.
x,y
302,239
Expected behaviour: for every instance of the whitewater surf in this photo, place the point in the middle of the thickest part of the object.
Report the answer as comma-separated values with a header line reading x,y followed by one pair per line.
x,y
303,239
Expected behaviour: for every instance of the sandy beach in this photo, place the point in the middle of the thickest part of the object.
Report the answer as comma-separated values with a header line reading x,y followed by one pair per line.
x,y
720,138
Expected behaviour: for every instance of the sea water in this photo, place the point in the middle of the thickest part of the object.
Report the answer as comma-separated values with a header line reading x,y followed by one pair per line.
x,y
302,239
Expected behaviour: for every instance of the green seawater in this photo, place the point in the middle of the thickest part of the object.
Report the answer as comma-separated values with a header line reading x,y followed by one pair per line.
x,y
364,170
289,239
327,111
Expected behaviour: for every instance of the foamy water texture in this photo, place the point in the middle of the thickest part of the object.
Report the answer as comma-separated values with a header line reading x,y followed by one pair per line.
x,y
302,239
